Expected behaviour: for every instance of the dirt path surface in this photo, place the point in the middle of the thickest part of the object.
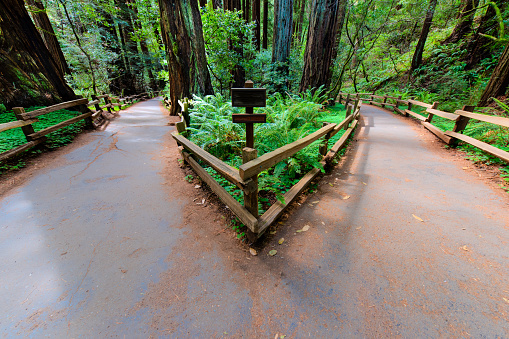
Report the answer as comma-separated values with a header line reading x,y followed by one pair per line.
x,y
107,241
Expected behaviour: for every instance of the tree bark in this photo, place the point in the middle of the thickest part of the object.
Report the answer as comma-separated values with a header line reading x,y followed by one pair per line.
x,y
479,47
129,82
239,73
419,49
185,49
283,22
322,32
256,18
42,22
466,18
145,54
29,74
499,80
265,37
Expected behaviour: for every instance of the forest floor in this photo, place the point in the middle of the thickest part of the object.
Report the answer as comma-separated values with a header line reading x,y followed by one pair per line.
x,y
105,238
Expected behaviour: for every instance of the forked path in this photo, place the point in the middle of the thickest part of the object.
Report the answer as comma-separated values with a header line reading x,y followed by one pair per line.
x,y
107,241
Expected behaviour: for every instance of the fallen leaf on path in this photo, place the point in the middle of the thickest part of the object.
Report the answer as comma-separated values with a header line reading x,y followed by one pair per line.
x,y
306,228
358,228
364,183
253,251
273,232
197,186
416,217
316,202
323,223
331,184
298,231
346,197
465,248
282,240
506,300
465,167
272,253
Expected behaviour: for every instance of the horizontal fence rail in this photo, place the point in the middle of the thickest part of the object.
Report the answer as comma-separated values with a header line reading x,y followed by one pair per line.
x,y
92,117
246,177
460,118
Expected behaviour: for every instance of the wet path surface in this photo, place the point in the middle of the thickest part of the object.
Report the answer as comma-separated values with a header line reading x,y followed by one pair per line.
x,y
109,243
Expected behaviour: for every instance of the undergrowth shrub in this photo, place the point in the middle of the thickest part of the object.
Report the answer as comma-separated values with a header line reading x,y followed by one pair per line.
x,y
289,118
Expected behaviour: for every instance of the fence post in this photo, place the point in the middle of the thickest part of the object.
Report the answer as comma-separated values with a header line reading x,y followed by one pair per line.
x,y
398,102
409,108
89,123
28,129
347,99
348,113
251,198
356,105
185,112
430,115
385,101
325,144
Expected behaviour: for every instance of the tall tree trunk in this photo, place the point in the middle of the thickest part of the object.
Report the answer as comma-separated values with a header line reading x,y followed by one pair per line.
x,y
256,18
239,73
465,20
109,37
145,54
300,23
340,23
42,22
499,79
419,49
130,81
322,32
29,75
265,33
283,21
185,49
479,47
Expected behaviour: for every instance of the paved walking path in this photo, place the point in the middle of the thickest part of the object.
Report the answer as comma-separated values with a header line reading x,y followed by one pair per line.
x,y
107,241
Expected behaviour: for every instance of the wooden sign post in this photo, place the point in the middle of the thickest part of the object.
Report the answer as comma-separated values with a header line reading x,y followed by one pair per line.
x,y
249,98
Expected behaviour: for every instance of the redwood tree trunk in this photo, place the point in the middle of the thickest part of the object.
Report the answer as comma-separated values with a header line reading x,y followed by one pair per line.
x,y
42,22
318,57
283,22
265,33
23,52
499,79
419,49
130,80
182,32
239,74
465,17
256,18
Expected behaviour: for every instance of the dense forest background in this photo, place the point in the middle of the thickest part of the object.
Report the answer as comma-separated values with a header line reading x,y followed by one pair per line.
x,y
451,51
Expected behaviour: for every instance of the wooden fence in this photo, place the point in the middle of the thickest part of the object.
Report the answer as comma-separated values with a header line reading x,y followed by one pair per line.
x,y
92,117
460,117
246,177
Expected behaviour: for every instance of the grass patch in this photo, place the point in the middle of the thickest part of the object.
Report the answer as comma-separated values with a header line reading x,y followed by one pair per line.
x,y
15,137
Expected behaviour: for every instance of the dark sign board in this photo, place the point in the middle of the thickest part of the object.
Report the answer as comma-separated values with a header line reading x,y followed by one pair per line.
x,y
249,118
249,97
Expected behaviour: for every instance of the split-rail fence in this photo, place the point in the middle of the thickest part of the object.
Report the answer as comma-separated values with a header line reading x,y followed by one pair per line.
x,y
246,176
103,105
460,117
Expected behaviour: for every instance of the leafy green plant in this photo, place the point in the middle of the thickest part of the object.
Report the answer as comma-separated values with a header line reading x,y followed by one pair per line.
x,y
14,137
289,118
